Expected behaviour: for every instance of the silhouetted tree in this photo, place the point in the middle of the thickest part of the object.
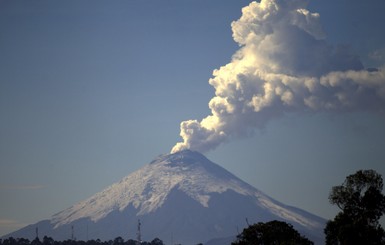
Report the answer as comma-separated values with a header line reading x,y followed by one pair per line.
x,y
118,241
48,241
36,241
273,232
23,241
362,204
10,241
156,241
130,242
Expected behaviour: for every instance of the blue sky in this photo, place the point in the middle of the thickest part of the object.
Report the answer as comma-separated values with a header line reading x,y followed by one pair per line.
x,y
92,90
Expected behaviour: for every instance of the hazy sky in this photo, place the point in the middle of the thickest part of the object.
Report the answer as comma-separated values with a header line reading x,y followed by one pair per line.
x,y
90,91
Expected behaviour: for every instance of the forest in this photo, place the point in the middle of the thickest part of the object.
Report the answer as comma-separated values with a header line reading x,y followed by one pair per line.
x,y
49,241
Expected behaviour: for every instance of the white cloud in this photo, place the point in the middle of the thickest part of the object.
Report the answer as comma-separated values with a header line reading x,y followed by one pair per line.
x,y
283,64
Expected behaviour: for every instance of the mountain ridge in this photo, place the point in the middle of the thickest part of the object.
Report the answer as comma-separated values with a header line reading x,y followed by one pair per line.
x,y
183,192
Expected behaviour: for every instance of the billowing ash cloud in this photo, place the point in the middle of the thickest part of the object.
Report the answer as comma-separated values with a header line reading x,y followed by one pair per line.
x,y
283,65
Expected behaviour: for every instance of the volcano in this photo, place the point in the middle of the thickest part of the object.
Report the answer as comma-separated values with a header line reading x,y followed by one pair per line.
x,y
180,198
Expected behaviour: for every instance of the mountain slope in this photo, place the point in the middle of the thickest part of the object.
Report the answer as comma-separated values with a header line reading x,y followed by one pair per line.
x,y
181,197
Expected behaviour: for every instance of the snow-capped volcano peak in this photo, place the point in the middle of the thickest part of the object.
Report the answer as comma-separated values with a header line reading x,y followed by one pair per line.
x,y
147,188
182,193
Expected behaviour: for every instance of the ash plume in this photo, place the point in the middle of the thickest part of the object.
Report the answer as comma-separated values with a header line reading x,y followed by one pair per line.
x,y
284,64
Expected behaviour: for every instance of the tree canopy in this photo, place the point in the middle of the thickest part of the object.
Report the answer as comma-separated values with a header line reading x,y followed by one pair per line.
x,y
273,232
362,204
50,241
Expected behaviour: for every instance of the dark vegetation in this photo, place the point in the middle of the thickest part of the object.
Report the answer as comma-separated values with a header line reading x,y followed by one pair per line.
x,y
359,198
49,241
273,232
362,204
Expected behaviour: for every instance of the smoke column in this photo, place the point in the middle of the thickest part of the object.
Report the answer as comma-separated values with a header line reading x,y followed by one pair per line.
x,y
284,64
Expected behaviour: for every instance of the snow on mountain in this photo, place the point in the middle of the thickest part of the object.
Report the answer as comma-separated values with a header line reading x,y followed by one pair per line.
x,y
147,188
182,193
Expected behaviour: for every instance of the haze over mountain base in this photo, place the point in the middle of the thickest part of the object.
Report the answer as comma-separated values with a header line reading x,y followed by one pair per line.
x,y
180,198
